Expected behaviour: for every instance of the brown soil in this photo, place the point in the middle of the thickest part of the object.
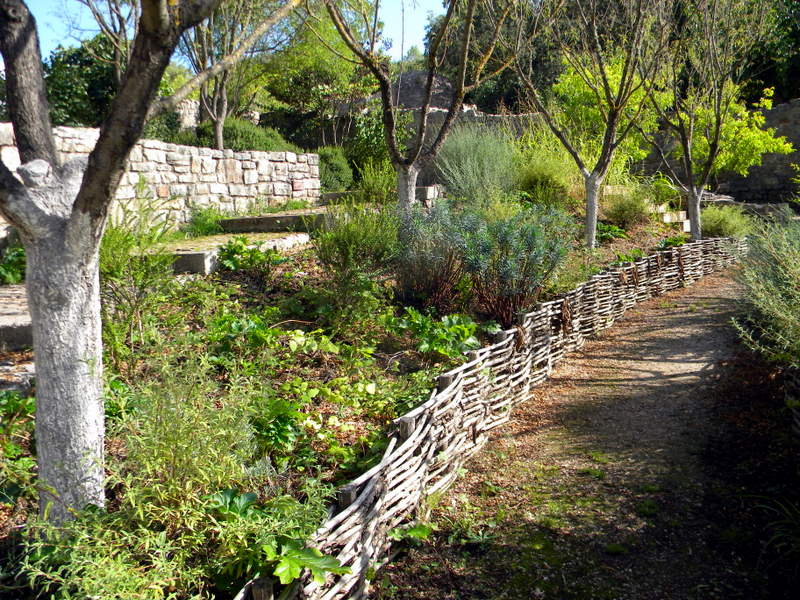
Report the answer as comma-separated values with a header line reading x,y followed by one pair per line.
x,y
643,470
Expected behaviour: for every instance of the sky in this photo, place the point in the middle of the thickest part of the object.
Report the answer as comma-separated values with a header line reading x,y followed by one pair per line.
x,y
66,21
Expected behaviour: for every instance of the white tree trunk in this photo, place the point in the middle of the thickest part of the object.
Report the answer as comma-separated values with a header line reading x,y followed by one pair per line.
x,y
62,280
592,185
64,299
693,208
406,185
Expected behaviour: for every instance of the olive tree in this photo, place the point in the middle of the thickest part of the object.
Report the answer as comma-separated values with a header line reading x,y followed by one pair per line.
x,y
60,210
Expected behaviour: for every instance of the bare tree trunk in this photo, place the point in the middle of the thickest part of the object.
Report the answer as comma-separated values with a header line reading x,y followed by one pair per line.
x,y
693,208
220,110
407,185
592,183
63,294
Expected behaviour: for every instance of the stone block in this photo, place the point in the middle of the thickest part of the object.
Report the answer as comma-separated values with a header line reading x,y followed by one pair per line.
x,y
137,166
162,191
313,159
236,189
248,164
298,185
227,153
209,165
202,262
291,157
218,188
264,167
179,189
7,134
302,158
187,178
154,155
277,157
265,189
125,192
181,169
209,178
281,188
10,157
250,176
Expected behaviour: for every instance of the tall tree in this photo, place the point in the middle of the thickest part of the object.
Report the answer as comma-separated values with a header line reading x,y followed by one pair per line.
x,y
613,48
117,21
472,71
60,211
699,89
218,36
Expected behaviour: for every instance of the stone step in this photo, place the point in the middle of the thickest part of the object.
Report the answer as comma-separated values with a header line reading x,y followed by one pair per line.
x,y
203,260
295,220
15,321
673,217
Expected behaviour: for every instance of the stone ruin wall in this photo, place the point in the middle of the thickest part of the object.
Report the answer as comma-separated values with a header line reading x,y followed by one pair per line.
x,y
180,178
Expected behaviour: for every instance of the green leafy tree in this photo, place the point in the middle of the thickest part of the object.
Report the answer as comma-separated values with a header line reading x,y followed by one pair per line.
x,y
707,127
612,51
80,83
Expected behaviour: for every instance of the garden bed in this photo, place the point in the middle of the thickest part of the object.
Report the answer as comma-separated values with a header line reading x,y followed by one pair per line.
x,y
297,383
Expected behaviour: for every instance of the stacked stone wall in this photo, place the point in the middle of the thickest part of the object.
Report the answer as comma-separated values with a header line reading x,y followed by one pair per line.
x,y
772,180
180,178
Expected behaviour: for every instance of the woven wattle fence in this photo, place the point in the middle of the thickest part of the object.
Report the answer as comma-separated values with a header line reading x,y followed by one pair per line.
x,y
432,442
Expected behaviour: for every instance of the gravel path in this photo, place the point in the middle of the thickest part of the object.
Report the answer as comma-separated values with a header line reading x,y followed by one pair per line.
x,y
601,485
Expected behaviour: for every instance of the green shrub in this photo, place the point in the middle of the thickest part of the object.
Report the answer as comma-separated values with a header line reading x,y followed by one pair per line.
x,y
240,136
628,209
240,254
135,272
204,221
357,239
451,336
511,260
377,182
335,174
545,172
164,127
194,520
367,142
356,245
12,265
771,277
607,232
476,163
429,270
725,221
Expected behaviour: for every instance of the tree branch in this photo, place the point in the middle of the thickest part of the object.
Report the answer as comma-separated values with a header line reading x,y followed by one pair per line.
x,y
172,102
25,91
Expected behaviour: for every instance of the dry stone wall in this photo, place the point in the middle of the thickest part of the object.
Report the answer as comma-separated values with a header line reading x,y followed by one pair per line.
x,y
179,178
772,180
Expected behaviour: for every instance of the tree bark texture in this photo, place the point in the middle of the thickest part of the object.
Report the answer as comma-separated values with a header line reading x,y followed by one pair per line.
x,y
592,184
693,208
64,300
60,213
407,185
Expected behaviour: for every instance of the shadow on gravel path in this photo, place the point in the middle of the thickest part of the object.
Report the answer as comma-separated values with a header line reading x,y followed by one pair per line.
x,y
638,471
